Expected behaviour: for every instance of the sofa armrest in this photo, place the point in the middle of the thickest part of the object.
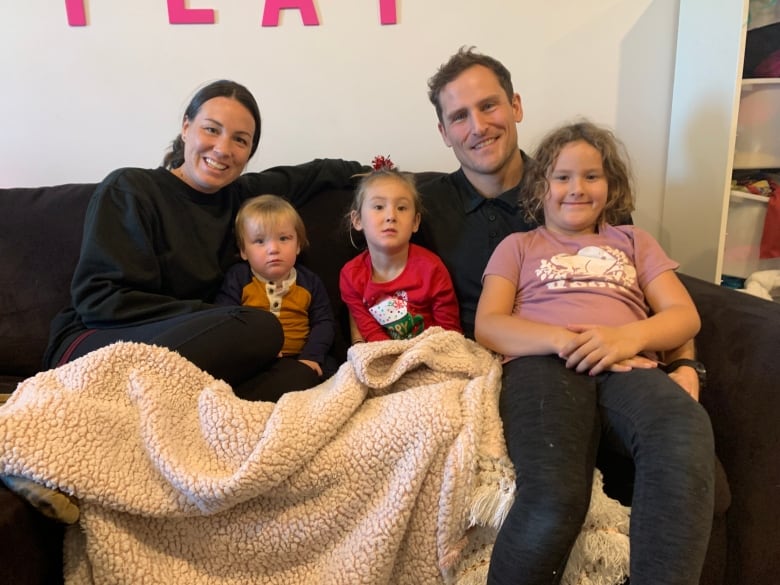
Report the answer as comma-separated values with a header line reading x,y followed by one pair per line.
x,y
739,342
30,544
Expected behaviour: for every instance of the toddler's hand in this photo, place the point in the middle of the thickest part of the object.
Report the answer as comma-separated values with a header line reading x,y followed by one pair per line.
x,y
313,365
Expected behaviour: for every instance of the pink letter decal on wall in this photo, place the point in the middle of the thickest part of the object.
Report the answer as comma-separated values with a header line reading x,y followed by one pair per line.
x,y
387,13
273,7
178,13
77,16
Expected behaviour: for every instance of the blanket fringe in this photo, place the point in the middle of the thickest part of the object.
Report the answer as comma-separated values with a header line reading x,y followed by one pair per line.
x,y
494,493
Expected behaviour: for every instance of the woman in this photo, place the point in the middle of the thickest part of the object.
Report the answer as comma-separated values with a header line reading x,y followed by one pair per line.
x,y
157,243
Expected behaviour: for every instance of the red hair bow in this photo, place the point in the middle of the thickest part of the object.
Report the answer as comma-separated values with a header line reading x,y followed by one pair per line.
x,y
380,163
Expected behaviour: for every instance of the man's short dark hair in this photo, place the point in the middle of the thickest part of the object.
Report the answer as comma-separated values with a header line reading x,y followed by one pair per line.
x,y
466,57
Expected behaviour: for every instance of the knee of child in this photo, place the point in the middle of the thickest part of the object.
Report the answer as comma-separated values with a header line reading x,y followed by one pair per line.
x,y
687,426
560,506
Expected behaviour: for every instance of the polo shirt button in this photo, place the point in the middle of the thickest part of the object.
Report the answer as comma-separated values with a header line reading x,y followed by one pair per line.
x,y
492,217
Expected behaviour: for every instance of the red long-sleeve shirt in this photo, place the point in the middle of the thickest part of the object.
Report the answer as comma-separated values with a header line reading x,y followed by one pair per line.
x,y
421,296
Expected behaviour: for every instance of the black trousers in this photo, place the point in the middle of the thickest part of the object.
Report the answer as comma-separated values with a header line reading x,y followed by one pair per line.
x,y
236,344
554,422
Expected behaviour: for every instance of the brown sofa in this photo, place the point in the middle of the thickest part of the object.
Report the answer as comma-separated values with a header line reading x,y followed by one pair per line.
x,y
40,234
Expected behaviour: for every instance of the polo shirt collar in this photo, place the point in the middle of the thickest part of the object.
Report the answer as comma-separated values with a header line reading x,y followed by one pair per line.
x,y
472,198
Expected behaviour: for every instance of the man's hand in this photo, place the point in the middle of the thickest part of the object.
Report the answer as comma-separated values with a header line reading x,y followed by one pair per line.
x,y
687,378
636,362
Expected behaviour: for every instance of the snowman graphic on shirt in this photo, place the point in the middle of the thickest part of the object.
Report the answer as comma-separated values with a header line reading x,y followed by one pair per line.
x,y
393,314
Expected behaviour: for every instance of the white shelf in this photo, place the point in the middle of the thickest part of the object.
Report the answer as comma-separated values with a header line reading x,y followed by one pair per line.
x,y
755,161
761,81
736,194
720,123
703,126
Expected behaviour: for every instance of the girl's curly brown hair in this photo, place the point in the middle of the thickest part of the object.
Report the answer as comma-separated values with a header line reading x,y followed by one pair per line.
x,y
620,194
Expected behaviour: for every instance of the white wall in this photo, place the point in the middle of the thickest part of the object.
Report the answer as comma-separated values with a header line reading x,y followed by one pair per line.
x,y
77,102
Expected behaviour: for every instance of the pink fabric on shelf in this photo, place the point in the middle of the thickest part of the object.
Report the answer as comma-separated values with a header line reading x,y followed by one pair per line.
x,y
770,237
770,66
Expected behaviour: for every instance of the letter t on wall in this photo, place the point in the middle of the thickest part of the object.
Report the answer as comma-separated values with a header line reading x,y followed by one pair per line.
x,y
178,13
273,7
77,16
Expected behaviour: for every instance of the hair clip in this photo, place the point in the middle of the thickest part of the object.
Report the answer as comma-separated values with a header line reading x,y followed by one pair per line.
x,y
382,163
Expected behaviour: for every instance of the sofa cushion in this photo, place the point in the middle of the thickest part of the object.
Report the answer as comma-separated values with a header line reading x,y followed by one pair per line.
x,y
35,542
35,277
739,343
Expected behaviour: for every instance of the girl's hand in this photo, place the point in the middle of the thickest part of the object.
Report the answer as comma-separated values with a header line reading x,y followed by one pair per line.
x,y
596,349
313,365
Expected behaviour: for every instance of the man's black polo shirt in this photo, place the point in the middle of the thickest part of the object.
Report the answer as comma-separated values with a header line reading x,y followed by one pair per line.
x,y
464,228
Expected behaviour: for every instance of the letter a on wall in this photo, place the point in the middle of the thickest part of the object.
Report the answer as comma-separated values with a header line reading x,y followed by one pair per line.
x,y
273,7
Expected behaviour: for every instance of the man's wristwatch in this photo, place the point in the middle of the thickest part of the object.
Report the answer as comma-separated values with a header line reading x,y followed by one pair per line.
x,y
698,367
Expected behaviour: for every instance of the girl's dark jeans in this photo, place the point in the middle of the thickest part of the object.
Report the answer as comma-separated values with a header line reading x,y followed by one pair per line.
x,y
554,420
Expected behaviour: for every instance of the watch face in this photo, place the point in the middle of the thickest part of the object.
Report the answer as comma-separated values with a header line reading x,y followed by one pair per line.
x,y
701,372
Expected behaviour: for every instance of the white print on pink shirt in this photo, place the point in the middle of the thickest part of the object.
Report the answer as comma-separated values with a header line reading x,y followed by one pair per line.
x,y
592,266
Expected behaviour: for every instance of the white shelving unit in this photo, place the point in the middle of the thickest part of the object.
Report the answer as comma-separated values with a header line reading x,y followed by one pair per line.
x,y
757,147
719,123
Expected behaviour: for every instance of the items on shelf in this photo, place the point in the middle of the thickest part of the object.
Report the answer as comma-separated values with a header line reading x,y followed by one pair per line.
x,y
767,185
762,44
764,284
762,52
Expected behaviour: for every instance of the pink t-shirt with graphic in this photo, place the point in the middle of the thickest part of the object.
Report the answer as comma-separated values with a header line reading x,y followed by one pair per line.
x,y
596,278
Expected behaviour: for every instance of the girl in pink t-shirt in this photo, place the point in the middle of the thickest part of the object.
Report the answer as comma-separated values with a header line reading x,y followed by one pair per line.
x,y
570,306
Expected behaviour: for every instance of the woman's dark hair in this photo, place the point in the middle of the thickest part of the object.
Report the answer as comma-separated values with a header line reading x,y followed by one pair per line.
x,y
174,158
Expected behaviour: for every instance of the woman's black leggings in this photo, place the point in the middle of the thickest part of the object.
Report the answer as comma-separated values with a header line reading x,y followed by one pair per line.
x,y
236,344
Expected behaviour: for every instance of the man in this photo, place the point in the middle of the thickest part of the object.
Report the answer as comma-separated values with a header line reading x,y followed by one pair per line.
x,y
476,206
670,440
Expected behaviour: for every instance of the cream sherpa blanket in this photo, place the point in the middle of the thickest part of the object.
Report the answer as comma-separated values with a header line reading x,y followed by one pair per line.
x,y
392,471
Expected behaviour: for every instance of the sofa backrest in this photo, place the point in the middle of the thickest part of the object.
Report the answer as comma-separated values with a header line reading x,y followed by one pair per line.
x,y
41,231
40,237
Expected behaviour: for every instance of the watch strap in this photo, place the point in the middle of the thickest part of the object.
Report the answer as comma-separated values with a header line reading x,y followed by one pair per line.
x,y
698,367
673,365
